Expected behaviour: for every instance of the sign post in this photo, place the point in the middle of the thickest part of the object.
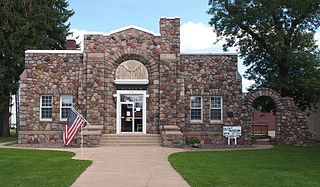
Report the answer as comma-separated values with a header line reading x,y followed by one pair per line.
x,y
232,132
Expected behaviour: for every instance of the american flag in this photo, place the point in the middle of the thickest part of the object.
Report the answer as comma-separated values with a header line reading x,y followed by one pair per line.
x,y
74,122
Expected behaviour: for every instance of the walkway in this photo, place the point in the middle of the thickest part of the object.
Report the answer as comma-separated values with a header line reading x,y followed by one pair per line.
x,y
129,166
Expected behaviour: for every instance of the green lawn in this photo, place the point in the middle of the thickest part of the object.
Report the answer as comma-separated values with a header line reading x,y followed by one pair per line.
x,y
280,166
39,168
11,138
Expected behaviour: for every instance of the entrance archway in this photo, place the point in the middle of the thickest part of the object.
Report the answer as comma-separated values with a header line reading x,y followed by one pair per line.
x,y
131,78
290,123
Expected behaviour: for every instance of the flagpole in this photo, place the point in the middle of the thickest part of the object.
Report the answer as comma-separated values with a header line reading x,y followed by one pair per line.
x,y
80,115
81,141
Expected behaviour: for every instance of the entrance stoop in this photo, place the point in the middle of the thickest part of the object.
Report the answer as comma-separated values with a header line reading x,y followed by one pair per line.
x,y
130,140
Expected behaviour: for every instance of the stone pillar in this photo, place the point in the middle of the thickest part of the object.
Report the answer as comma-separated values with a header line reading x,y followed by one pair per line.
x,y
170,35
171,134
95,88
169,82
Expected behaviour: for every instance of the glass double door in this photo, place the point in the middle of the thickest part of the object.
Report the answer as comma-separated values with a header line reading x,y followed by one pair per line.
x,y
131,113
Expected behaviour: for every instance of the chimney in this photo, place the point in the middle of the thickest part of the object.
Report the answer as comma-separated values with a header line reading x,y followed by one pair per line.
x,y
71,45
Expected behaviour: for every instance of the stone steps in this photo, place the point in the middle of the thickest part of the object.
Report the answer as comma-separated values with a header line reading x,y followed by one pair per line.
x,y
172,129
92,130
130,140
172,136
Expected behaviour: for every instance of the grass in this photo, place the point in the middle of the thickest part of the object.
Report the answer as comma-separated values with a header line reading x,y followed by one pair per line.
x,y
37,168
12,138
280,166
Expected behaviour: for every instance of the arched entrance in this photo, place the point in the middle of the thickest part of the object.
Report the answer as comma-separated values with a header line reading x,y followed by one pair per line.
x,y
290,123
131,78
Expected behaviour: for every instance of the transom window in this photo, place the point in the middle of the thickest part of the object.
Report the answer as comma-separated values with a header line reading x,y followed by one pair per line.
x,y
65,104
216,108
46,107
196,108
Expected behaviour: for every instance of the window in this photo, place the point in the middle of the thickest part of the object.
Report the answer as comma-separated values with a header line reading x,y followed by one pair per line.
x,y
216,108
196,107
65,104
46,107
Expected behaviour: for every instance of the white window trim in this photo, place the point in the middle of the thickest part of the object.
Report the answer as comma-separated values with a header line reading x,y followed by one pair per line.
x,y
197,120
40,116
64,119
213,120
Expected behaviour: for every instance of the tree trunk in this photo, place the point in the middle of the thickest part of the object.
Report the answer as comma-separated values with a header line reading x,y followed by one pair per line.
x,y
4,120
284,77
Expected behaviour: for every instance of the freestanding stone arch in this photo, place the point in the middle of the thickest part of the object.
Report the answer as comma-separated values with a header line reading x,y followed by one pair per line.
x,y
291,124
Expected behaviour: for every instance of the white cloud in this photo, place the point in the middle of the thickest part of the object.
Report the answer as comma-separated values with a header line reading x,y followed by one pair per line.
x,y
196,36
246,84
317,37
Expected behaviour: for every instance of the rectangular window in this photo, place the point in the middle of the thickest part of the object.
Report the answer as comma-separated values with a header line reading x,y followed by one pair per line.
x,y
65,104
216,108
196,107
46,107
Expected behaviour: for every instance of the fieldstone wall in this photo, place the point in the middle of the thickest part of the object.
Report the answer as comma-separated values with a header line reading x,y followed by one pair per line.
x,y
291,123
52,74
206,76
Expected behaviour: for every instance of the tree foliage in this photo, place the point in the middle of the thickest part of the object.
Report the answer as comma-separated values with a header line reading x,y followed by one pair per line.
x,y
264,104
27,24
275,38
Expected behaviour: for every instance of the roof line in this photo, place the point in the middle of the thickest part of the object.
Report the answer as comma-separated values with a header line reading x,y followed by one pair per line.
x,y
218,53
131,27
55,51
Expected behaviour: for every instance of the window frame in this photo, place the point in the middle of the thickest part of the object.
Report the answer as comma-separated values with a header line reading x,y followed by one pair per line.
x,y
41,107
192,108
61,107
215,108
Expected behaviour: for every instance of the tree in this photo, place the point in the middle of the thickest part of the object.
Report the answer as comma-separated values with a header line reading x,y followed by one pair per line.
x,y
264,104
275,38
26,24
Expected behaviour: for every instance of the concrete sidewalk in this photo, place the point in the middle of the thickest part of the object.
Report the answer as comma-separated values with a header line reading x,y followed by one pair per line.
x,y
129,166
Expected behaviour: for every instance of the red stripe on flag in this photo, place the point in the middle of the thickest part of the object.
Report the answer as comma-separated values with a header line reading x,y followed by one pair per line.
x,y
65,134
73,129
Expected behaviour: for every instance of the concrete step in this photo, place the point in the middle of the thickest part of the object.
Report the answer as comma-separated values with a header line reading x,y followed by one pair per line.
x,y
130,140
135,144
173,132
171,127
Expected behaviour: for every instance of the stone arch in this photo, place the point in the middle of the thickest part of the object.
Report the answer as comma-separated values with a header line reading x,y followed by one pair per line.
x,y
291,126
133,54
260,92
113,60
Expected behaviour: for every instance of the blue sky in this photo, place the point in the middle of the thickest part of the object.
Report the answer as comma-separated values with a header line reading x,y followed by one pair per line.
x,y
107,15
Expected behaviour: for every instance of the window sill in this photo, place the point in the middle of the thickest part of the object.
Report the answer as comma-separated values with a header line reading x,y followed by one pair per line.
x,y
63,120
216,122
45,119
196,121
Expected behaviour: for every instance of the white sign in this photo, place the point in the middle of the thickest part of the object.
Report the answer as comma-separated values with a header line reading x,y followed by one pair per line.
x,y
232,132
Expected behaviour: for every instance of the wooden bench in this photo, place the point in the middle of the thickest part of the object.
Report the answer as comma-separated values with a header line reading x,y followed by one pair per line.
x,y
259,129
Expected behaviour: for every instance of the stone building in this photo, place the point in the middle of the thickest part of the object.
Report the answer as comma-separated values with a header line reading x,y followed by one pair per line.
x,y
132,82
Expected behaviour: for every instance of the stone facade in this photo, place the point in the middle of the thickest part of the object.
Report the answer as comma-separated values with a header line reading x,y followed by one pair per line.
x,y
114,62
